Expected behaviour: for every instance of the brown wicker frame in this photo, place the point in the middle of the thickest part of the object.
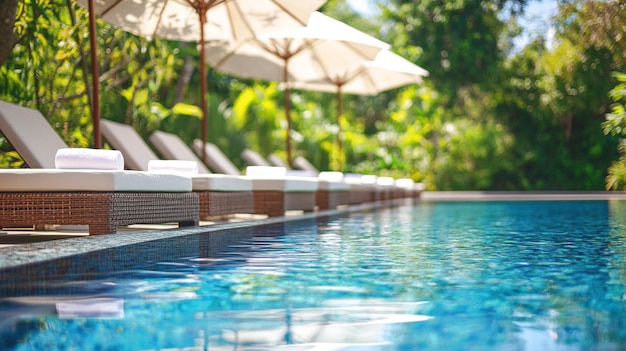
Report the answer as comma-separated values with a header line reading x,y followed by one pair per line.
x,y
102,211
222,203
276,203
327,200
383,195
361,196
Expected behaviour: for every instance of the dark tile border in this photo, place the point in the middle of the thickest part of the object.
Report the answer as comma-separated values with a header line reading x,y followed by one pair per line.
x,y
30,253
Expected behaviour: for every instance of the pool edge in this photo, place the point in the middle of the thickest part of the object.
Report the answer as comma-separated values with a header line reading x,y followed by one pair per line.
x,y
31,253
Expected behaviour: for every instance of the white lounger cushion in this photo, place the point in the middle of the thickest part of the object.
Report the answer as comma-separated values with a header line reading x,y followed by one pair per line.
x,y
361,182
182,167
220,182
385,183
286,184
333,181
270,178
329,185
62,180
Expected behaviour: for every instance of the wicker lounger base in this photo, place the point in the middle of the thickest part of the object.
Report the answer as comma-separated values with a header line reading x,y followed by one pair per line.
x,y
276,203
331,199
102,211
215,203
360,197
382,195
398,194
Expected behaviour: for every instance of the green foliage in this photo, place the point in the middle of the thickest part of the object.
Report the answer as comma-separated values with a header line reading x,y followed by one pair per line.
x,y
44,69
458,40
616,178
256,115
615,123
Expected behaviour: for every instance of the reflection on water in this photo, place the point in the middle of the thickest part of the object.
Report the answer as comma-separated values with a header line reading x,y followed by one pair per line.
x,y
436,276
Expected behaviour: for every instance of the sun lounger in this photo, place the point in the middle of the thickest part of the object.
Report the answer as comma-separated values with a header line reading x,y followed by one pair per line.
x,y
230,194
274,192
332,190
101,199
366,188
276,161
407,188
30,134
253,158
304,164
362,188
219,194
217,161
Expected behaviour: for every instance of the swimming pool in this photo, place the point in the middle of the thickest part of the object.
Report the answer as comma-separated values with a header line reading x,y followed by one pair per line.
x,y
523,275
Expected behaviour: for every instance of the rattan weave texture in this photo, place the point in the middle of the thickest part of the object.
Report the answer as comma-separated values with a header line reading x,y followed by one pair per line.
x,y
276,203
326,200
216,203
361,196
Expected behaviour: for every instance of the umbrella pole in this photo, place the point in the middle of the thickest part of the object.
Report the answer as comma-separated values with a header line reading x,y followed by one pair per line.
x,y
203,89
95,77
287,110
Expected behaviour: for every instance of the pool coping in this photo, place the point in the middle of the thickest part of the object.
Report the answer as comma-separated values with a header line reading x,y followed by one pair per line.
x,y
522,195
31,253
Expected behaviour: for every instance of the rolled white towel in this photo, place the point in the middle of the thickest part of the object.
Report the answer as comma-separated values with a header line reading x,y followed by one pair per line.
x,y
173,167
79,158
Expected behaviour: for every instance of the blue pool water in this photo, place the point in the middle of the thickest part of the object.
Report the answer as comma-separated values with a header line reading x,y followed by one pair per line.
x,y
434,276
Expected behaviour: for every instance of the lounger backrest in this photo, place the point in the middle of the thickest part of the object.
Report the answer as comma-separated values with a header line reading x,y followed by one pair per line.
x,y
125,138
172,147
304,164
30,134
216,160
253,158
277,161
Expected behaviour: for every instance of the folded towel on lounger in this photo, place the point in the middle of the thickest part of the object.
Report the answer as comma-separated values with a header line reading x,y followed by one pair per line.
x,y
173,166
78,158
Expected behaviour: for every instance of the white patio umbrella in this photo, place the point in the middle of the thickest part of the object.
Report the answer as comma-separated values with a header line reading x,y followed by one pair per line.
x,y
325,46
201,20
387,71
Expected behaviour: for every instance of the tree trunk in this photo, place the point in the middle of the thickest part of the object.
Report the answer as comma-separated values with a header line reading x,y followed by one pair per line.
x,y
8,9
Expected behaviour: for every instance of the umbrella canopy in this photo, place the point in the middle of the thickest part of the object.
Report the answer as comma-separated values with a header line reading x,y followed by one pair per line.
x,y
385,72
325,46
201,20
